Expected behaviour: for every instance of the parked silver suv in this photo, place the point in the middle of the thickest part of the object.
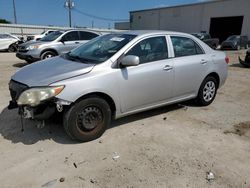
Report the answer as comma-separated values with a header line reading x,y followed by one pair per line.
x,y
115,75
54,44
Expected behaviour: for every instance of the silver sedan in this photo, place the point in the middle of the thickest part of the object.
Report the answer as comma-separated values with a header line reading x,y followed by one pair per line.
x,y
116,75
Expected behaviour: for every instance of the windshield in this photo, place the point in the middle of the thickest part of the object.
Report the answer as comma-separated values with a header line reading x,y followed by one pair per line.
x,y
100,49
52,36
234,37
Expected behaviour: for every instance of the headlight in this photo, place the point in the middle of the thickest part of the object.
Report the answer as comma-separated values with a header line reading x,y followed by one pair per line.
x,y
35,96
32,47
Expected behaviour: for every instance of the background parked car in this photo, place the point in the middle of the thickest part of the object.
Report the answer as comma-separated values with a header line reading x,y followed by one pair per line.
x,y
205,37
9,42
39,36
246,63
53,44
235,42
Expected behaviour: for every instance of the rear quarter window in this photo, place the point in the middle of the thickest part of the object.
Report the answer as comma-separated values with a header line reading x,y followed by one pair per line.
x,y
185,46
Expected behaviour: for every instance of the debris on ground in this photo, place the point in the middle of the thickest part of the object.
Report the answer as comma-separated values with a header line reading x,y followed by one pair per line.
x,y
241,129
62,179
81,178
165,118
210,176
115,156
93,181
50,183
75,165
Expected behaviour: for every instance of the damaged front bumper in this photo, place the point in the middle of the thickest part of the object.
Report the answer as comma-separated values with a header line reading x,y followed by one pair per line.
x,y
42,111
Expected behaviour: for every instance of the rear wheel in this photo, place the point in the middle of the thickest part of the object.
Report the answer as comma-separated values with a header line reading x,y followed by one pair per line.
x,y
207,91
48,54
88,119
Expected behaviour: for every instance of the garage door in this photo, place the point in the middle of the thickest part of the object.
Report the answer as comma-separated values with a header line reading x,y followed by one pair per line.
x,y
223,27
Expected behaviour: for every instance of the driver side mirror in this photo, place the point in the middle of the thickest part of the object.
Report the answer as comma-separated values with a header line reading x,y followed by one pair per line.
x,y
130,60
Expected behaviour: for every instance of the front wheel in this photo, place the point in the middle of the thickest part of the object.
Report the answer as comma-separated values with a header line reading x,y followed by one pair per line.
x,y
207,91
12,48
87,119
47,54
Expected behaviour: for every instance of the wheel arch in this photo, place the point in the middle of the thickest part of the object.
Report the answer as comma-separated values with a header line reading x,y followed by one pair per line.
x,y
216,76
104,96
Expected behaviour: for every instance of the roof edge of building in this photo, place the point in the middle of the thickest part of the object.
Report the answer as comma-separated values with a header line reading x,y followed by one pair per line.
x,y
182,5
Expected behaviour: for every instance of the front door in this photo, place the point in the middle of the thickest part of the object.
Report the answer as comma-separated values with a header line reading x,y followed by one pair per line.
x,y
150,83
71,41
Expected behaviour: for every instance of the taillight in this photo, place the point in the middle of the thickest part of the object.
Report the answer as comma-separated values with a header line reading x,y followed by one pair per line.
x,y
227,59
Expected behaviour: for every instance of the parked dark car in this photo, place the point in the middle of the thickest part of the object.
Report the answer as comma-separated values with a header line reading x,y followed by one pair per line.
x,y
205,37
246,63
235,42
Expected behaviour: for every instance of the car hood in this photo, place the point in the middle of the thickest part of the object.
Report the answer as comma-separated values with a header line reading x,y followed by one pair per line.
x,y
26,44
46,72
228,42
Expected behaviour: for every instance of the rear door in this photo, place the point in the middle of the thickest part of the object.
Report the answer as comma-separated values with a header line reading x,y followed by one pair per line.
x,y
190,66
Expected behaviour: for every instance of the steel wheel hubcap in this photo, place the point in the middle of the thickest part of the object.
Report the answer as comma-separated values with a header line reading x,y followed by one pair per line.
x,y
209,91
89,118
48,56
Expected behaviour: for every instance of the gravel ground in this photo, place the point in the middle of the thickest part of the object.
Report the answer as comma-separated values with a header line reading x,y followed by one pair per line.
x,y
174,146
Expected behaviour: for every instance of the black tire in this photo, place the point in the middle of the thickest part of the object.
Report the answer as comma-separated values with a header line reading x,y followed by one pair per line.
x,y
29,61
12,48
87,119
203,98
47,54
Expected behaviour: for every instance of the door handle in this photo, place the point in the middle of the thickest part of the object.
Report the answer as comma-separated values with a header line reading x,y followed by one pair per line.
x,y
203,62
167,68
76,42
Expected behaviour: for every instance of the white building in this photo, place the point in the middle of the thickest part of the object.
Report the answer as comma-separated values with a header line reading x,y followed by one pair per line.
x,y
220,18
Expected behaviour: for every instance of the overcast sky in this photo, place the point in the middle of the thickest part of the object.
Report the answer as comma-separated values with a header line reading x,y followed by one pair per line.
x,y
52,12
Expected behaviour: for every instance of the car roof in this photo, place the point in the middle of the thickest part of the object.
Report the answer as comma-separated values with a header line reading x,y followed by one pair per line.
x,y
152,32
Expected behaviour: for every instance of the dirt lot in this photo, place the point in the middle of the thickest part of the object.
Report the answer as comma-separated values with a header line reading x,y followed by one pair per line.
x,y
174,146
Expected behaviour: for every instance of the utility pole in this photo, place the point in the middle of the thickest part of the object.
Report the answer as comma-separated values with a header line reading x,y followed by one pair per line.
x,y
69,4
14,9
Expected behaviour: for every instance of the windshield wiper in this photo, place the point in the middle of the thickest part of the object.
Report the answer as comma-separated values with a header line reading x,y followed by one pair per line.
x,y
74,58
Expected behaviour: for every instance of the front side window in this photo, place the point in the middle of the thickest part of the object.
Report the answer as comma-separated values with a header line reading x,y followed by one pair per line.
x,y
185,47
71,36
87,35
151,49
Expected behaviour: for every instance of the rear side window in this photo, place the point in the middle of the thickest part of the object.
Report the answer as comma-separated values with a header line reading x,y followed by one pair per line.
x,y
151,49
185,47
71,36
87,35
